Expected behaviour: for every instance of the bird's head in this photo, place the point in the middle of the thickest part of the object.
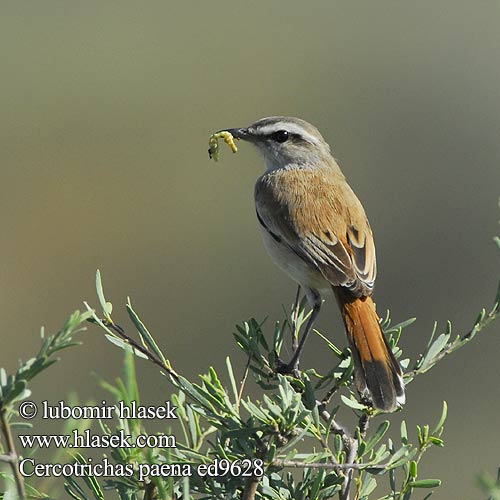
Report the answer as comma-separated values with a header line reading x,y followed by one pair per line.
x,y
285,142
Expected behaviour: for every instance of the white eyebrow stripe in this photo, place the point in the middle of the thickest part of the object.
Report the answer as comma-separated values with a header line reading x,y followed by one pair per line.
x,y
293,128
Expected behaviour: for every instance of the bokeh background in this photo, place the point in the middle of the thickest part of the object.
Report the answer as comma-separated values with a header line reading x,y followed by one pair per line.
x,y
106,109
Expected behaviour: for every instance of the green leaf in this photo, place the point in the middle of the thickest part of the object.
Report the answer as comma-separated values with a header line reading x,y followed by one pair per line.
x,y
338,445
496,239
3,379
352,403
331,345
74,489
90,480
425,483
231,379
147,339
404,324
402,456
436,441
404,433
122,344
17,391
367,486
130,378
309,396
442,419
376,437
431,338
413,469
437,346
497,299
295,440
185,487
317,483
107,307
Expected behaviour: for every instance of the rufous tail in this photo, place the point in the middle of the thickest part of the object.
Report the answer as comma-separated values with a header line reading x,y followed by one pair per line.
x,y
377,373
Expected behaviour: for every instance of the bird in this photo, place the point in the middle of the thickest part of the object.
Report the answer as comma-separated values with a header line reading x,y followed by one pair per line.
x,y
315,229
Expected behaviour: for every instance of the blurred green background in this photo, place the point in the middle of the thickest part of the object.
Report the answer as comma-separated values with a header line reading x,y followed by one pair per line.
x,y
106,109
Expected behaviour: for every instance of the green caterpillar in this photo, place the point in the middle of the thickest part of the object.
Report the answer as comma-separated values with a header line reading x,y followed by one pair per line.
x,y
213,144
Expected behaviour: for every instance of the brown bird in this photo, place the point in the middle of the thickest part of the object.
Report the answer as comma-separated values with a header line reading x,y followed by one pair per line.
x,y
315,229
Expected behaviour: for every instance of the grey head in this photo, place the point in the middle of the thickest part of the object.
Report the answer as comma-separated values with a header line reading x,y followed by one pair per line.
x,y
286,141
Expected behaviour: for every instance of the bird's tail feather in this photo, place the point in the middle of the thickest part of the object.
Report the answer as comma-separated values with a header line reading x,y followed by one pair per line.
x,y
377,373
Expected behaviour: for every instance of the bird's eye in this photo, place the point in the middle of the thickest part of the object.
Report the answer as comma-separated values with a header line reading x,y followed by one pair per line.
x,y
280,136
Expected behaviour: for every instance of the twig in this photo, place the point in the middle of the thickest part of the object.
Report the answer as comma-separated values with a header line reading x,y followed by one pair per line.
x,y
326,448
350,444
330,394
321,465
8,459
335,426
12,457
459,341
110,325
352,451
150,492
250,488
242,383
489,318
120,332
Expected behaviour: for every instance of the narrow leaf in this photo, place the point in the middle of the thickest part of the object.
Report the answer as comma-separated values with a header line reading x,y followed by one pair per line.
x,y
377,436
146,337
352,403
425,483
231,379
124,345
442,419
106,307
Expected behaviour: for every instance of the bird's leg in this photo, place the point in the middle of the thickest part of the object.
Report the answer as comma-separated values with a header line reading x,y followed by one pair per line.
x,y
292,367
295,318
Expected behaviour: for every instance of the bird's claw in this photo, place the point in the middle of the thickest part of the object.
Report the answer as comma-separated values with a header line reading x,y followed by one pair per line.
x,y
287,368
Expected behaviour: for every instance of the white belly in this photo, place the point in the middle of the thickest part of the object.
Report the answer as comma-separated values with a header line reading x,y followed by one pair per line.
x,y
302,273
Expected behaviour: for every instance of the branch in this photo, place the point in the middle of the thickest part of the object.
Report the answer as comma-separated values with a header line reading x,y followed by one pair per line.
x,y
352,451
321,465
250,488
482,321
243,382
11,457
335,426
8,459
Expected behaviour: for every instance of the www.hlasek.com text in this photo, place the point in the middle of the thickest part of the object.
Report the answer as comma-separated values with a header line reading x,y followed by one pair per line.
x,y
86,439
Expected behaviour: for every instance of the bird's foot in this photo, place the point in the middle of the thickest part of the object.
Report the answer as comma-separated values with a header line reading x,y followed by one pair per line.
x,y
291,368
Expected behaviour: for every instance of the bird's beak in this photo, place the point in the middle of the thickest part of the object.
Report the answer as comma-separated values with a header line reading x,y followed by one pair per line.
x,y
240,133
